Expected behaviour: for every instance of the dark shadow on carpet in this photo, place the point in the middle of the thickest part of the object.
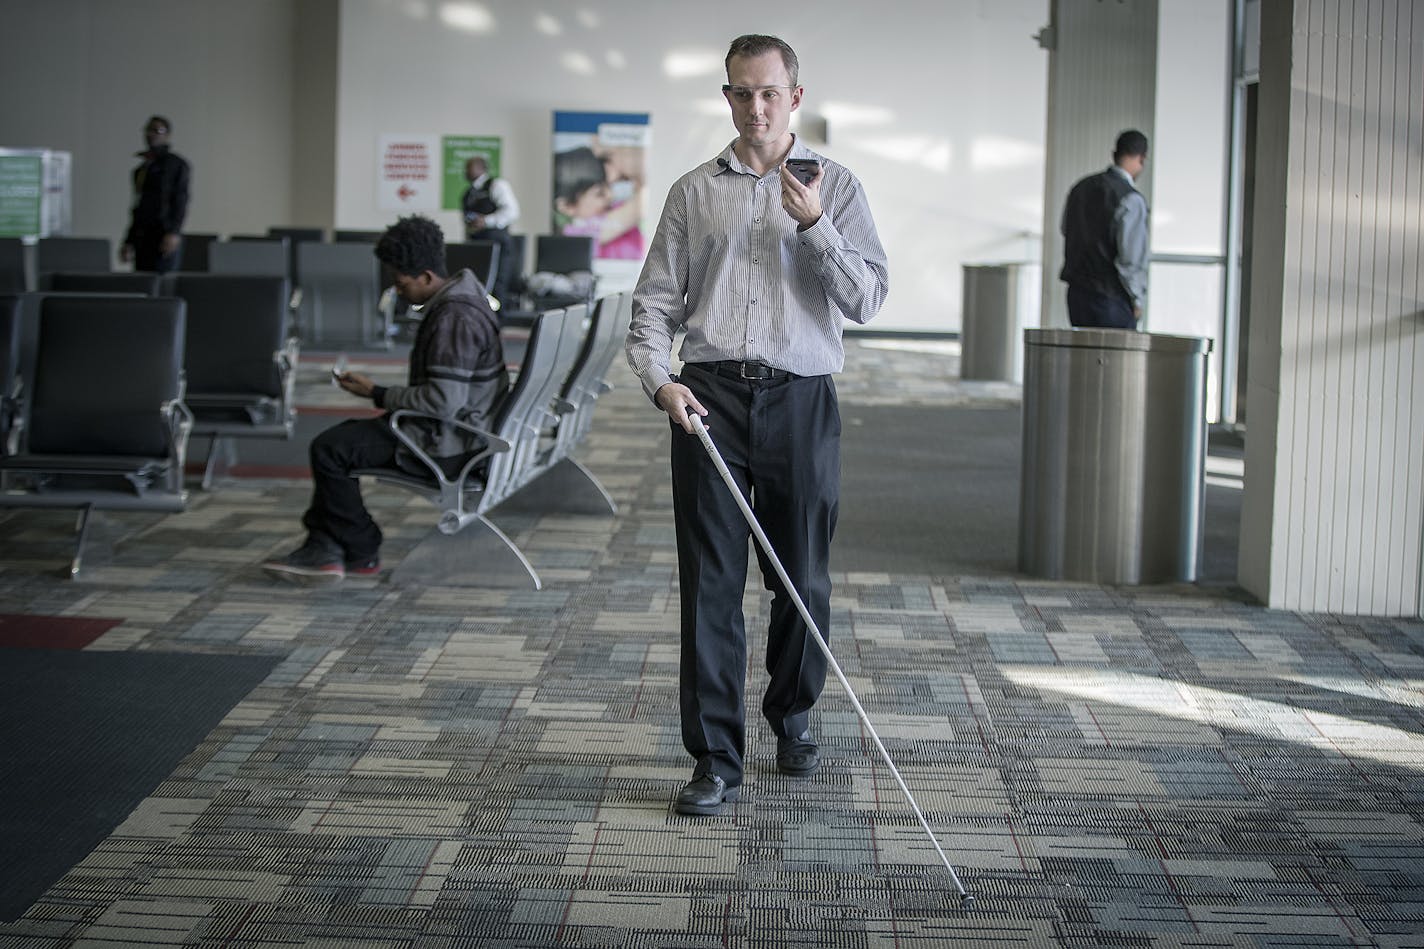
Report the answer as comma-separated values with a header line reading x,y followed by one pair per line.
x,y
86,736
928,490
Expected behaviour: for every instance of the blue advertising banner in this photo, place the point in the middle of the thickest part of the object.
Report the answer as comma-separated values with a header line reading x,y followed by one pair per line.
x,y
600,163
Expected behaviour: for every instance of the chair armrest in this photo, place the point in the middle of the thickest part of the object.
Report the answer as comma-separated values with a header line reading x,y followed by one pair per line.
x,y
493,443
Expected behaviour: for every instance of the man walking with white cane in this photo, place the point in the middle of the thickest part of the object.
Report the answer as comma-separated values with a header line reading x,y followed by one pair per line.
x,y
760,256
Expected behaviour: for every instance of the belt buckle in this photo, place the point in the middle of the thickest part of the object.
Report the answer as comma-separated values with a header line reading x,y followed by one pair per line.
x,y
763,371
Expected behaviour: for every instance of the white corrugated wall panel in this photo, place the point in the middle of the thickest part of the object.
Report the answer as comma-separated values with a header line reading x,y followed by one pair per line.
x,y
1347,497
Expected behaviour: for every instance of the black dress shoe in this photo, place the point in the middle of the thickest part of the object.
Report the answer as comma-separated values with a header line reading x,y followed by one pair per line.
x,y
703,796
797,755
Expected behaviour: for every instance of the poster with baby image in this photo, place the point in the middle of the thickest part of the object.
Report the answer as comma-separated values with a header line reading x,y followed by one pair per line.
x,y
600,160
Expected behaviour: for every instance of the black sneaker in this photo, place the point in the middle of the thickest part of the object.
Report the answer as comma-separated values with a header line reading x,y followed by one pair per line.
x,y
367,567
312,562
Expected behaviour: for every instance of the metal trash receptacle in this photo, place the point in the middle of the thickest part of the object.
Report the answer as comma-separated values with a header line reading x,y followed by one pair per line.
x,y
1114,448
989,333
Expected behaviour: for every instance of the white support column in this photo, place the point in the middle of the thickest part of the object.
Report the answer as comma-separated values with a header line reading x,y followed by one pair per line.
x,y
1333,513
1102,78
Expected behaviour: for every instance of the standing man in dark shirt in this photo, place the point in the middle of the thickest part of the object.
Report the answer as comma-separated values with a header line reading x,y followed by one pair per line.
x,y
761,269
490,210
154,239
1105,241
457,373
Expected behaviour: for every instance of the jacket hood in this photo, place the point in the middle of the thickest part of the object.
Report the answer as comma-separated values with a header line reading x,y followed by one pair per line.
x,y
462,285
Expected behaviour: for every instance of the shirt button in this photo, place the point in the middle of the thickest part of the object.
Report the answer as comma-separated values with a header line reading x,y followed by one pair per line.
x,y
753,303
756,260
756,220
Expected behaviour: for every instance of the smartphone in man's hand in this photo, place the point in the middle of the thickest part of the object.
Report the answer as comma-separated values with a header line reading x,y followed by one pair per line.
x,y
804,169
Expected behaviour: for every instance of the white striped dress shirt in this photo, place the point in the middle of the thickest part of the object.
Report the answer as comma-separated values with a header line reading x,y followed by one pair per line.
x,y
728,265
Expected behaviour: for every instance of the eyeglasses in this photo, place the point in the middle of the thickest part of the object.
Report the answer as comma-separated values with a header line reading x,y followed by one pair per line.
x,y
747,93
156,129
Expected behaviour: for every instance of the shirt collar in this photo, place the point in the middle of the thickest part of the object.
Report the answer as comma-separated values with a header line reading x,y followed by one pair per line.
x,y
481,181
1119,170
728,160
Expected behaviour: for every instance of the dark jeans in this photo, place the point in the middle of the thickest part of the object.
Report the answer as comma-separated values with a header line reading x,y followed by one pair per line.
x,y
1090,308
337,512
781,441
502,290
149,256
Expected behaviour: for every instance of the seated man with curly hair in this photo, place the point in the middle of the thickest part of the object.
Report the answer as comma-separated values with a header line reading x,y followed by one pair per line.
x,y
457,372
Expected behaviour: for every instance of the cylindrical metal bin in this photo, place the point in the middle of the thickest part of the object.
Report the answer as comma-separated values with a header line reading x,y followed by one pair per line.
x,y
1114,446
989,330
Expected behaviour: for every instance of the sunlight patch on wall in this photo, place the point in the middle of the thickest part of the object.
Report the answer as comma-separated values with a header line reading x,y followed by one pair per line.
x,y
691,63
931,153
589,18
991,152
615,59
548,25
580,64
848,114
469,17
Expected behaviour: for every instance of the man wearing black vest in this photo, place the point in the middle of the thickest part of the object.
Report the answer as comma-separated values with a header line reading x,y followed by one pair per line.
x,y
490,210
1105,241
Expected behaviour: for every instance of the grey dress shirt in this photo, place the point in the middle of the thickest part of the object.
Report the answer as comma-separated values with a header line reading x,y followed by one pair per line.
x,y
1130,229
728,265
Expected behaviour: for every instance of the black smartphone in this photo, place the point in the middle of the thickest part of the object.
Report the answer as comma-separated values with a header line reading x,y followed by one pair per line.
x,y
804,169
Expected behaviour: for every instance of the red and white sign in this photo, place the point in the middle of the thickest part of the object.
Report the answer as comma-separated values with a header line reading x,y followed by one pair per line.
x,y
408,173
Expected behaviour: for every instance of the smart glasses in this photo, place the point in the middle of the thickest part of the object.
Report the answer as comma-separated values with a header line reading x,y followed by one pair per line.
x,y
747,93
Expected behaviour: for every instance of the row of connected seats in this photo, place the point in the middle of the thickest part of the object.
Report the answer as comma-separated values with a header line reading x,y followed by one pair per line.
x,y
528,448
91,381
341,293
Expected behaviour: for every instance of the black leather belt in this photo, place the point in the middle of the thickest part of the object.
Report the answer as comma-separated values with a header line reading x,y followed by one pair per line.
x,y
752,371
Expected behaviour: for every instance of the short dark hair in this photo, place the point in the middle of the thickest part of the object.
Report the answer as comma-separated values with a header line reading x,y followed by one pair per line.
x,y
756,44
167,125
413,245
576,170
1131,142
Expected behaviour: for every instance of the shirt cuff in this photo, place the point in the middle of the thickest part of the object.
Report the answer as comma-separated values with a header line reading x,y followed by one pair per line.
x,y
819,237
378,396
654,379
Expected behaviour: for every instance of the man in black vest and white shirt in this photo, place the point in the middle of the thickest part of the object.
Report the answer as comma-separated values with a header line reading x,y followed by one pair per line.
x,y
490,210
1105,241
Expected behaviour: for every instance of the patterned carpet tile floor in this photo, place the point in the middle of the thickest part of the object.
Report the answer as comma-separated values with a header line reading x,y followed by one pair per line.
x,y
443,766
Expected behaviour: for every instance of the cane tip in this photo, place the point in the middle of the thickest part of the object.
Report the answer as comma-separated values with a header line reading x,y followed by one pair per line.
x,y
967,902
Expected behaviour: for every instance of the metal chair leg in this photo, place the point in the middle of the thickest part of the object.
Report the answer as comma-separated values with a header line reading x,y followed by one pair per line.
x,y
83,529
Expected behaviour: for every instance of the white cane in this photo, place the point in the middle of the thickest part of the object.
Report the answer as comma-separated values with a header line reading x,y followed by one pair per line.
x,y
716,456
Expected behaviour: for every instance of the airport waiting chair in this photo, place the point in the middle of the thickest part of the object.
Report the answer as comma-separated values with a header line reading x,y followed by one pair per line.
x,y
106,427
9,373
241,362
256,257
558,256
30,306
195,252
13,278
139,282
479,257
555,253
341,301
72,255
294,237
356,236
469,548
588,379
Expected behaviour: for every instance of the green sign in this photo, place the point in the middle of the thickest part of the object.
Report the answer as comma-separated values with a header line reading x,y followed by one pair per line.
x,y
458,149
21,189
